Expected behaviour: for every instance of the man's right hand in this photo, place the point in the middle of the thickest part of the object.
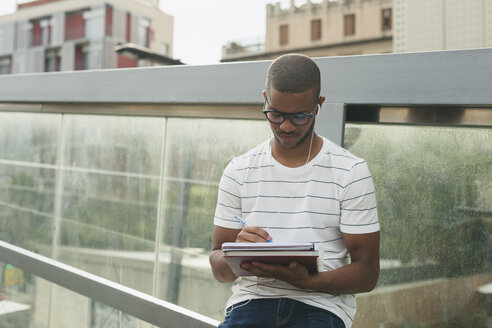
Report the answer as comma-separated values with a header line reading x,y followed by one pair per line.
x,y
253,234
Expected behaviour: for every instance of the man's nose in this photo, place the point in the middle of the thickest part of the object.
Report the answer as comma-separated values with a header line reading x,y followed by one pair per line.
x,y
287,125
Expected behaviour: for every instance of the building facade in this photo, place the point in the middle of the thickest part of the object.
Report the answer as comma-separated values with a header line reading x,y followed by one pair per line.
x,y
423,25
326,28
64,35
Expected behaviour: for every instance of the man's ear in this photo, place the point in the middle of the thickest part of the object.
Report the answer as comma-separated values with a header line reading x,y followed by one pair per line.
x,y
320,103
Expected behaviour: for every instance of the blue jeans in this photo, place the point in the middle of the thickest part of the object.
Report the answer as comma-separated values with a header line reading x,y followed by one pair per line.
x,y
279,312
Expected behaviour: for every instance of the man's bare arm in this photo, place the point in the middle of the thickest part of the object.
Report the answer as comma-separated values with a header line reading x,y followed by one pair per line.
x,y
221,270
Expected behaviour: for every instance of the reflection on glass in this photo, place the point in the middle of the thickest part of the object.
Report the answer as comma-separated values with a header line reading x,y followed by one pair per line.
x,y
38,141
435,205
28,157
113,143
26,207
99,206
197,151
111,168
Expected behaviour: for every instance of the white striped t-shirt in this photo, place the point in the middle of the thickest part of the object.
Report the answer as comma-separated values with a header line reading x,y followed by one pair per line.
x,y
333,193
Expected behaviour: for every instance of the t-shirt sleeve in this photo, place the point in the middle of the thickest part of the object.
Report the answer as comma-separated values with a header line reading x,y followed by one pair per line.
x,y
228,200
358,202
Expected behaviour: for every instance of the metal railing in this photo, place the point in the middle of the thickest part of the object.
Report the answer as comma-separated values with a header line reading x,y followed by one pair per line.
x,y
127,300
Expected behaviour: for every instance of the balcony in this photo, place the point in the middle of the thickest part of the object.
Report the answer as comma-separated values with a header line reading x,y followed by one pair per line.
x,y
108,183
243,48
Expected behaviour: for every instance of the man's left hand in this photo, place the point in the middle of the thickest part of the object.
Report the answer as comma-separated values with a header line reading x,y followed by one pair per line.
x,y
294,273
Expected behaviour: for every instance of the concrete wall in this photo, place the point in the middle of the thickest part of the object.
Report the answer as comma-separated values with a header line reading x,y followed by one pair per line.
x,y
7,33
423,25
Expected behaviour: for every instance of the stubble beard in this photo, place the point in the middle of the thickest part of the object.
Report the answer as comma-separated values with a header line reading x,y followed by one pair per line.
x,y
309,133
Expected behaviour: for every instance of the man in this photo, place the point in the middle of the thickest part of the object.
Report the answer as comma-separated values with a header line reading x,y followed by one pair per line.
x,y
297,187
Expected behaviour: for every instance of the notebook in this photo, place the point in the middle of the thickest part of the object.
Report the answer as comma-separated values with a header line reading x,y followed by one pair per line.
x,y
273,253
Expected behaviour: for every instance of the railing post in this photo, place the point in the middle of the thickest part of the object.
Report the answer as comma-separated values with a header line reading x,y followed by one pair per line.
x,y
330,122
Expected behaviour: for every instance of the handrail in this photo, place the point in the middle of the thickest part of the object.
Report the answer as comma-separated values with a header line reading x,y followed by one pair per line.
x,y
433,78
137,304
439,78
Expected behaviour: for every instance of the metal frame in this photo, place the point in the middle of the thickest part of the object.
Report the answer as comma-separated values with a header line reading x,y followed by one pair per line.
x,y
430,78
233,90
128,300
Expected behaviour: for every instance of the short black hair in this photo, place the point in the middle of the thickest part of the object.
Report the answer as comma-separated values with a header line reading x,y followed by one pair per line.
x,y
294,73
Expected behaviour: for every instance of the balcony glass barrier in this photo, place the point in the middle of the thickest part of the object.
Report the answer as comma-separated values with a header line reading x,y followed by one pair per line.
x,y
28,159
96,192
30,301
433,186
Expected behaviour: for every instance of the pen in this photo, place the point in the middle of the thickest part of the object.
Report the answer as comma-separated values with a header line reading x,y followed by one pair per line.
x,y
240,219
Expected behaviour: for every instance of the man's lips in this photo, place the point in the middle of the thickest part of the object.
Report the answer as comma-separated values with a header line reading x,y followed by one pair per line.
x,y
286,137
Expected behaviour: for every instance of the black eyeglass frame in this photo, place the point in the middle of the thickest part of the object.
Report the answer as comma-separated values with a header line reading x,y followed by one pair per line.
x,y
309,115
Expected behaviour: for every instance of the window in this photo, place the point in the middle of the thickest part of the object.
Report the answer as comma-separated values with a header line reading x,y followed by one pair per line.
x,y
36,34
316,29
128,27
48,41
150,36
165,49
284,34
5,65
145,33
40,33
52,60
386,19
349,25
74,25
81,57
109,20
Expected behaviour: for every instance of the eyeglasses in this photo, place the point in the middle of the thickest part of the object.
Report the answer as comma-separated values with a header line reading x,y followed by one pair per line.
x,y
298,119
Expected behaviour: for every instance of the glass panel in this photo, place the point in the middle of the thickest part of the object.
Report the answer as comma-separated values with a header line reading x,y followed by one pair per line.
x,y
28,179
38,141
197,152
28,301
435,205
110,196
17,295
26,207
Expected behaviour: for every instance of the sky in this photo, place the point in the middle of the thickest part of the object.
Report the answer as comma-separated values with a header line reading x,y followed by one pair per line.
x,y
202,27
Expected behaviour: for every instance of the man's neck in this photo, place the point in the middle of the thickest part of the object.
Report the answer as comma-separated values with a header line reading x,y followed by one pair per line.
x,y
297,156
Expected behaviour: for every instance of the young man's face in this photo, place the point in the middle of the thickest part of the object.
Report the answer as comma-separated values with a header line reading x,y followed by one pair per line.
x,y
288,135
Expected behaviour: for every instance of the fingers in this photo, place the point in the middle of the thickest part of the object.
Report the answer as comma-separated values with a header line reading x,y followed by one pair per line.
x,y
296,268
291,273
253,234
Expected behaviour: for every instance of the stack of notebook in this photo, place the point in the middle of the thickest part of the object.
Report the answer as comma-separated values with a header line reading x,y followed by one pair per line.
x,y
273,253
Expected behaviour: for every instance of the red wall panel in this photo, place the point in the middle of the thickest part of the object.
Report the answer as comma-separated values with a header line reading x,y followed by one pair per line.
x,y
74,26
109,20
124,62
37,34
